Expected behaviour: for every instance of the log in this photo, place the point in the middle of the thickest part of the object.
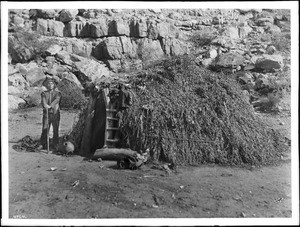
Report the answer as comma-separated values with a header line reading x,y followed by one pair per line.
x,y
113,154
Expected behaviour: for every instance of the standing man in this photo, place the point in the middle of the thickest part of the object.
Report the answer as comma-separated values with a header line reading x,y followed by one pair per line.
x,y
51,111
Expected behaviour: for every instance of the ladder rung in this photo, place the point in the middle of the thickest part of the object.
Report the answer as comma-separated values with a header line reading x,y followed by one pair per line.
x,y
113,129
112,140
113,118
111,110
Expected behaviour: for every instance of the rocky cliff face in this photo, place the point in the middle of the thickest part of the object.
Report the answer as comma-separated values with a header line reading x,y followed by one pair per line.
x,y
87,45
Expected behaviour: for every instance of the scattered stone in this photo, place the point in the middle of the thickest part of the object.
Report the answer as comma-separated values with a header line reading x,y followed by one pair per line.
x,y
271,50
206,62
53,49
155,10
43,13
19,53
229,60
67,15
212,53
273,29
242,214
269,62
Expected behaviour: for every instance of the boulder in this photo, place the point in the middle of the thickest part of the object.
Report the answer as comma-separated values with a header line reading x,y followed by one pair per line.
x,y
206,62
129,47
32,96
18,21
89,14
71,77
174,47
53,49
223,41
231,32
110,48
206,21
245,11
22,68
15,11
35,76
229,60
91,70
269,62
115,48
273,29
14,102
32,72
131,64
18,52
244,77
152,30
17,80
114,65
50,27
175,16
64,57
42,26
88,69
138,28
79,47
155,10
73,96
166,30
246,95
263,21
217,20
67,15
118,27
73,29
33,13
271,50
149,50
56,28
12,69
212,53
50,60
43,13
244,31
9,59
116,10
82,48
12,90
95,29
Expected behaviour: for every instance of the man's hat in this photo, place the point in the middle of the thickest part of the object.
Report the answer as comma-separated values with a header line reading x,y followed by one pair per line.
x,y
49,79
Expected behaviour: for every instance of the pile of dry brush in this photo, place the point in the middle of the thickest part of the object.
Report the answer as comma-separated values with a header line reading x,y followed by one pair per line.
x,y
189,115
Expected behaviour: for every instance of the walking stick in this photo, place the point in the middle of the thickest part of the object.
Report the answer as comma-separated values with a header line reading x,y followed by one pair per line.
x,y
47,130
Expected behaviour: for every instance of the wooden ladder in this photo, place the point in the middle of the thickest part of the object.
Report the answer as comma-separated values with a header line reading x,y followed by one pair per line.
x,y
112,130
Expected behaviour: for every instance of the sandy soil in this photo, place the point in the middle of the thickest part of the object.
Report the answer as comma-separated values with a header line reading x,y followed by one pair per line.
x,y
104,191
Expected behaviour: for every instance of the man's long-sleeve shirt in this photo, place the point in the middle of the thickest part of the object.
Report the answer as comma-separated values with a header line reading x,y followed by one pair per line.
x,y
51,98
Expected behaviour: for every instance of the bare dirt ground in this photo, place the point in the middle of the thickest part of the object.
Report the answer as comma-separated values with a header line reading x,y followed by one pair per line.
x,y
104,191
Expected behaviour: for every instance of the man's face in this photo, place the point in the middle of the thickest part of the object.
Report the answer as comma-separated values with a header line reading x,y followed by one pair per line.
x,y
51,85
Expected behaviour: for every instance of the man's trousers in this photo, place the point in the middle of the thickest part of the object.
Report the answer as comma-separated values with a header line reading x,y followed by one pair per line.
x,y
54,121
